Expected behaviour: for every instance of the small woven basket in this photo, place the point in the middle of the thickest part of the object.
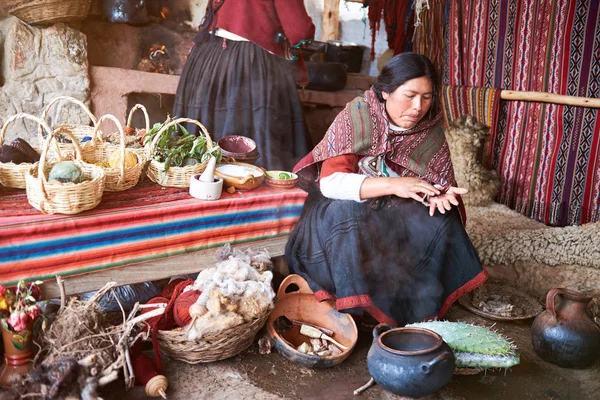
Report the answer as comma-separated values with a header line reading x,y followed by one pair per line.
x,y
175,176
67,150
69,198
140,150
215,347
13,175
97,151
47,12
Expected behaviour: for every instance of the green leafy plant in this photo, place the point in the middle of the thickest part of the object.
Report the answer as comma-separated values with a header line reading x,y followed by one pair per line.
x,y
177,146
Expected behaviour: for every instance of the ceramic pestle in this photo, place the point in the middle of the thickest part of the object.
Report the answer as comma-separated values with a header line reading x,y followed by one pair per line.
x,y
209,173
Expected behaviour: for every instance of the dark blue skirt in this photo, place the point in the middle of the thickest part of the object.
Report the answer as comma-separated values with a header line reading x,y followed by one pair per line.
x,y
238,88
397,263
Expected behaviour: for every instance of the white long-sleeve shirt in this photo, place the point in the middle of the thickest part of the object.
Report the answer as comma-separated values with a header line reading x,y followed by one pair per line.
x,y
345,185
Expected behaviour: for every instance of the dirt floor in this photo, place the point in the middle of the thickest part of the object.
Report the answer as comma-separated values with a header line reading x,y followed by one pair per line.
x,y
251,375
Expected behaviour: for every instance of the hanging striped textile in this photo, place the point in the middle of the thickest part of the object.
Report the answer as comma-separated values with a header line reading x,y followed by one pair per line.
x,y
548,155
428,38
481,103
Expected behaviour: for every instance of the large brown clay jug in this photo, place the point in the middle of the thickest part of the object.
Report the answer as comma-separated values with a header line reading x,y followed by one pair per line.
x,y
564,334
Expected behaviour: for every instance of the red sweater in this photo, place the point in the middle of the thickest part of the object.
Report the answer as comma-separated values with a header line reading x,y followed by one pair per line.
x,y
259,21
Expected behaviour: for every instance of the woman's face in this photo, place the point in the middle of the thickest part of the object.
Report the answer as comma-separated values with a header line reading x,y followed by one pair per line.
x,y
409,102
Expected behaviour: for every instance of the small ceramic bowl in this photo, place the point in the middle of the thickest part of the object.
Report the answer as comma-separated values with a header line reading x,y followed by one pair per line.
x,y
275,179
238,147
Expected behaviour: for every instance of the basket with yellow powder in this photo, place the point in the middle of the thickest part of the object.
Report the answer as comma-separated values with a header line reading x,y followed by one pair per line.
x,y
123,168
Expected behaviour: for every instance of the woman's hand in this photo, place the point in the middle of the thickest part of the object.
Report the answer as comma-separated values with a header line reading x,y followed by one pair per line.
x,y
405,187
413,188
445,201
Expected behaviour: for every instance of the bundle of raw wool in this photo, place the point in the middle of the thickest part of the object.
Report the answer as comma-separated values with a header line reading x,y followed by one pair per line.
x,y
232,293
465,138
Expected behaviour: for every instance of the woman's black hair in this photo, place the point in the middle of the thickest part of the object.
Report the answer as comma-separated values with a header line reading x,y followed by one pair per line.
x,y
208,21
404,67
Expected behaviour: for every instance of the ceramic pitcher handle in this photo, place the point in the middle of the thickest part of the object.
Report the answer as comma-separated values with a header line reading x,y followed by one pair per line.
x,y
550,301
426,367
379,329
300,286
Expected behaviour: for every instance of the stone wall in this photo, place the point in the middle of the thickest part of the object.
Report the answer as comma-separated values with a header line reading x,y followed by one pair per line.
x,y
37,65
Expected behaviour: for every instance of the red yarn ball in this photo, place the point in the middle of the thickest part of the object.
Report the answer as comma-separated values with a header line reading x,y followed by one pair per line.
x,y
165,322
170,288
181,311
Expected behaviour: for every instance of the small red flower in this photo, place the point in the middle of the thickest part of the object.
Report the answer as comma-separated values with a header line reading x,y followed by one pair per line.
x,y
19,321
34,312
36,291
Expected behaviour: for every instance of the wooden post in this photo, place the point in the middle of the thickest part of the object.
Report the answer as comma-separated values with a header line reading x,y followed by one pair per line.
x,y
331,20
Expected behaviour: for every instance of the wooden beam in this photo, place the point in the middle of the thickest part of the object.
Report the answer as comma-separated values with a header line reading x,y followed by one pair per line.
x,y
155,269
545,97
331,20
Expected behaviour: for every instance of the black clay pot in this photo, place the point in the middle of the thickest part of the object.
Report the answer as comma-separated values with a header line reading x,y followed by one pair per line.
x,y
410,361
326,76
133,12
566,335
349,54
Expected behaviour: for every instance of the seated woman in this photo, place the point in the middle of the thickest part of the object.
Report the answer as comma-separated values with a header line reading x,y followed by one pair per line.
x,y
371,238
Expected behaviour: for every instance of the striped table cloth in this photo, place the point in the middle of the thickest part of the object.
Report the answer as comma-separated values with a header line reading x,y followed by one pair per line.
x,y
144,223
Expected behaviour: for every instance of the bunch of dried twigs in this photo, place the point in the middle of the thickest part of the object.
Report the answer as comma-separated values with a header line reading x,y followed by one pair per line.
x,y
80,331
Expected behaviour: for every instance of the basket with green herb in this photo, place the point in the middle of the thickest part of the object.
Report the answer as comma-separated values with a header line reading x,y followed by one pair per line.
x,y
175,155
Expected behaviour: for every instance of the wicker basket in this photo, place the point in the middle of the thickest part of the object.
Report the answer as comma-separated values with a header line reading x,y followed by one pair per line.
x,y
142,151
53,198
13,175
215,347
67,150
175,176
96,151
47,12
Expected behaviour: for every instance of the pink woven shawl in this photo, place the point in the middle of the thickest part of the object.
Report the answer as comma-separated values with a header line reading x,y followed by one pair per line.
x,y
362,128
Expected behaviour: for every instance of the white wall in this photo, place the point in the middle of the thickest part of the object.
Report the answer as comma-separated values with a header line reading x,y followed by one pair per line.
x,y
354,26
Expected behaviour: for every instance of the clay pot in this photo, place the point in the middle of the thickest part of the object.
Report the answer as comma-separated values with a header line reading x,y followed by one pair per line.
x,y
133,12
18,355
326,76
410,361
297,302
566,335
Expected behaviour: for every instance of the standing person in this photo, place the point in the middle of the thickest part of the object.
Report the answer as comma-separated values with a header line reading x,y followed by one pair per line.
x,y
383,232
237,81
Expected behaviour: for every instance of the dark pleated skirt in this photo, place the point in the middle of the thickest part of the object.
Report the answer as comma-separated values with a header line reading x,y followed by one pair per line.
x,y
240,89
398,263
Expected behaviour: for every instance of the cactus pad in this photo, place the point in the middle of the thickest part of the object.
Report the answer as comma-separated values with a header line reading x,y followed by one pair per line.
x,y
474,360
468,338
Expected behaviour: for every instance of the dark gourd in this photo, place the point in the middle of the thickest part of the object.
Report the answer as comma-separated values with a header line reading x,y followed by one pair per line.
x,y
26,149
10,154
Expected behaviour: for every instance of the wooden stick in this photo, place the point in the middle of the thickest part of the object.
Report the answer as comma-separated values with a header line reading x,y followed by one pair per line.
x,y
545,97
365,386
61,287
